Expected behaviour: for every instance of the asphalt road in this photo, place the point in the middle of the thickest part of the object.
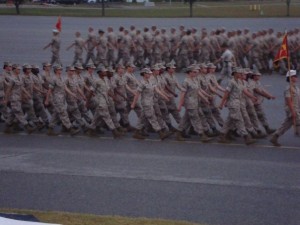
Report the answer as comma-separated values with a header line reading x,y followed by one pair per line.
x,y
209,183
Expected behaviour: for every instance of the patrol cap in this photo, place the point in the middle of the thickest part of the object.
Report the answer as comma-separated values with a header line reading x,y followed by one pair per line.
x,y
70,68
248,71
291,73
7,64
161,66
90,65
46,64
146,70
155,67
101,31
27,66
191,68
119,65
171,65
16,66
35,66
130,65
211,65
202,65
237,70
101,69
256,73
78,66
110,69
57,67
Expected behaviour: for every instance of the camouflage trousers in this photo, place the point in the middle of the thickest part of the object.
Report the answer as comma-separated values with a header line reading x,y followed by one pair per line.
x,y
60,114
16,112
191,117
235,122
39,108
148,116
74,113
288,123
172,108
28,109
102,116
77,58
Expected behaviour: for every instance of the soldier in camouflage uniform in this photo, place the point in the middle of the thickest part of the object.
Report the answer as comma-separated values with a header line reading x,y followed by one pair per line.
x,y
146,90
78,45
27,99
101,114
58,91
292,108
189,99
39,95
55,47
232,98
13,95
71,83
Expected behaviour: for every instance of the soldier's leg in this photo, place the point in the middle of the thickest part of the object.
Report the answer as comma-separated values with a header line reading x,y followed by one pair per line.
x,y
159,116
172,108
40,110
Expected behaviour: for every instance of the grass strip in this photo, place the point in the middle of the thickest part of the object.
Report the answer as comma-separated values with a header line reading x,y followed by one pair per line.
x,y
87,219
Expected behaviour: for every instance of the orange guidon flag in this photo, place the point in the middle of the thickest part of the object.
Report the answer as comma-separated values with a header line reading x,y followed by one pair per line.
x,y
58,24
283,52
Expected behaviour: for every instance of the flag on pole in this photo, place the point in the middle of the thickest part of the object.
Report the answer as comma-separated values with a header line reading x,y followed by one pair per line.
x,y
58,24
283,52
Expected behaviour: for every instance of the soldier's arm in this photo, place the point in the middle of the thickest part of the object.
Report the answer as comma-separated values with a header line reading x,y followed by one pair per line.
x,y
203,96
136,97
70,46
49,92
224,99
69,92
181,100
161,93
130,90
249,95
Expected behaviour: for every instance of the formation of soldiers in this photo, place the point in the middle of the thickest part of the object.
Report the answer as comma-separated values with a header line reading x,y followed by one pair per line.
x,y
183,46
92,100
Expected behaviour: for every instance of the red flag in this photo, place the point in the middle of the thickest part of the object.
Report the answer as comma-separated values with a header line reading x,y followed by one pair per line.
x,y
58,24
283,52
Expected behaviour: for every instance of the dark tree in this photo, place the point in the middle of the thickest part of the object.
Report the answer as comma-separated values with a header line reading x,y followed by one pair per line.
x,y
191,7
288,2
17,4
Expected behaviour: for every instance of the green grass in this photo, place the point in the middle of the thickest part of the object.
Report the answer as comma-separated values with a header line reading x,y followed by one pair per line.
x,y
240,9
85,219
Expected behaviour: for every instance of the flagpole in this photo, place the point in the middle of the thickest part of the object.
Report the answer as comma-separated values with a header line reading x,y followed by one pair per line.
x,y
291,87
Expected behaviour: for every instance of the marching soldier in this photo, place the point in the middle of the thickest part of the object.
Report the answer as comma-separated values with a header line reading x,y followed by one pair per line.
x,y
58,91
78,45
55,47
292,108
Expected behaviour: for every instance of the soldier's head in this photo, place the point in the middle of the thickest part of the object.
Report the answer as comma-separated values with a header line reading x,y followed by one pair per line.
x,y
16,68
101,32
211,68
27,69
146,73
155,70
57,69
291,76
90,29
110,72
191,71
101,71
130,67
153,28
146,29
7,66
77,34
35,69
46,66
237,72
90,67
70,70
110,29
132,27
120,69
170,68
121,28
78,68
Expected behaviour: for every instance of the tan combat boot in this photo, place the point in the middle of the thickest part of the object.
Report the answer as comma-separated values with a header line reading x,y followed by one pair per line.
x,y
51,132
249,140
137,135
179,136
274,140
204,138
116,133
